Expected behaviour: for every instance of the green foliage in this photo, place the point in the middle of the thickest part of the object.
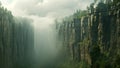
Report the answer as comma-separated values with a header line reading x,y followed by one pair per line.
x,y
83,64
115,1
116,61
101,7
95,51
80,13
72,64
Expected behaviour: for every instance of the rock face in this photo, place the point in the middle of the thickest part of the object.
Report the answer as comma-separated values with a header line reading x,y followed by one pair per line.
x,y
16,41
94,38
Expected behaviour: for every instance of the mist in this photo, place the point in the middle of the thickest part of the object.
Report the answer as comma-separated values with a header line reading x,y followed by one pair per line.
x,y
45,45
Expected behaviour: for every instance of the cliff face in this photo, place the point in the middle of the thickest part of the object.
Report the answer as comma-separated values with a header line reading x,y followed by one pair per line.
x,y
16,41
95,38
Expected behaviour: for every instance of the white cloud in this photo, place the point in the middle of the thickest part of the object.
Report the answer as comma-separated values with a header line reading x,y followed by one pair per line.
x,y
44,10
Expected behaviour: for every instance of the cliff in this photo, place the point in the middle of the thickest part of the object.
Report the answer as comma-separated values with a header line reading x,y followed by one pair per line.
x,y
94,39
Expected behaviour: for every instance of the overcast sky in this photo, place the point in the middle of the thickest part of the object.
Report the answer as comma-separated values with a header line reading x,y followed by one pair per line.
x,y
44,11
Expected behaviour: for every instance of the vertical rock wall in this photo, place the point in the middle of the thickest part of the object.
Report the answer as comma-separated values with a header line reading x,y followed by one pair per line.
x,y
16,41
95,38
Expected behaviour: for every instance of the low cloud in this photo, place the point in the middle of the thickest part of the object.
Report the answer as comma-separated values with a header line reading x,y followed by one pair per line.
x,y
45,10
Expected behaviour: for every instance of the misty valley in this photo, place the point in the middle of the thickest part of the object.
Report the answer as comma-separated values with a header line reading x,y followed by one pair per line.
x,y
59,34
